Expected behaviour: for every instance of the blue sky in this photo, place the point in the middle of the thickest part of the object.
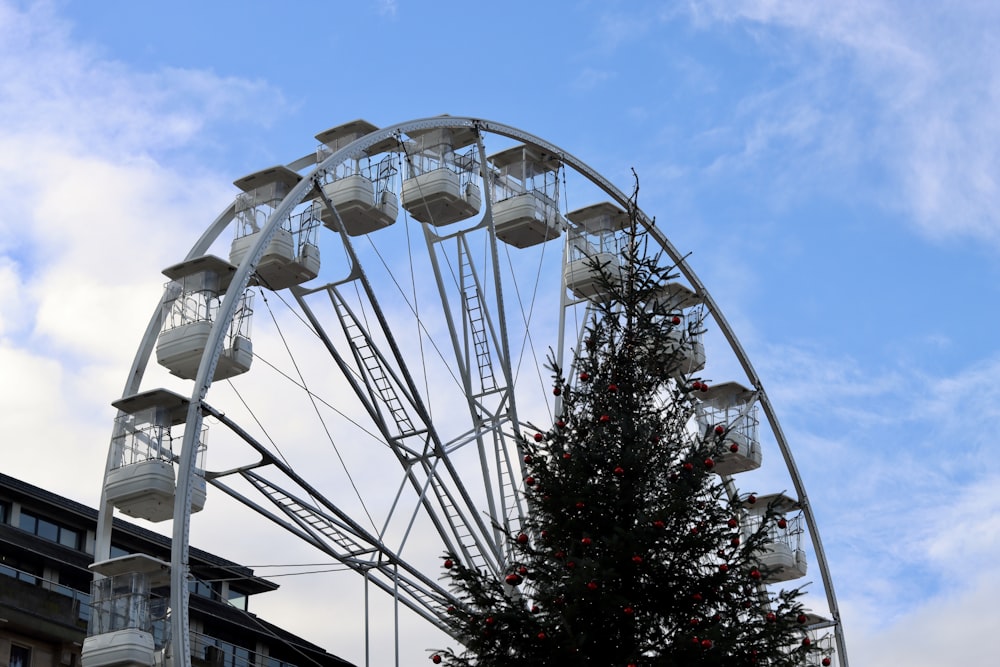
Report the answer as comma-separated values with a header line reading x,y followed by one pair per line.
x,y
832,168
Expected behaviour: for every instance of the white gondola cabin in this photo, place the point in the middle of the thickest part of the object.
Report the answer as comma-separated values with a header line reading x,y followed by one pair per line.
x,y
141,482
292,256
440,185
193,297
783,558
582,271
732,407
361,193
125,614
526,196
685,340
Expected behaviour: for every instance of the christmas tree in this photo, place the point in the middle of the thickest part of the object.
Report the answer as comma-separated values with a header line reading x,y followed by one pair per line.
x,y
634,551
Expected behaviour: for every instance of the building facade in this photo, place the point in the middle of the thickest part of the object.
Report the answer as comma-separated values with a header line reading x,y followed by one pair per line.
x,y
46,547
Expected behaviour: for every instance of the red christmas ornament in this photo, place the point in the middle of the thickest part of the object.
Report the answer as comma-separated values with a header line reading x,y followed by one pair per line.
x,y
534,609
801,618
619,471
561,423
806,641
448,563
628,611
709,463
586,541
490,620
612,388
513,579
545,534
584,377
539,437
580,505
570,565
694,621
567,456
522,570
605,419
659,525
541,636
696,597
522,538
732,523
688,466
751,499
703,388
734,448
556,391
675,320
735,541
529,480
592,585
720,429
826,662
696,385
755,574
527,458
782,523
451,609
723,568
706,644
637,559
694,530
771,618
559,555
436,659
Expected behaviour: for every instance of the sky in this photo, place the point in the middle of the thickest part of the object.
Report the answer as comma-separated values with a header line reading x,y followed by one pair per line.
x,y
833,169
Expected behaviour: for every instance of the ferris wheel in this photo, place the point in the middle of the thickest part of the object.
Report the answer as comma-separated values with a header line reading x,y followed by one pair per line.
x,y
366,332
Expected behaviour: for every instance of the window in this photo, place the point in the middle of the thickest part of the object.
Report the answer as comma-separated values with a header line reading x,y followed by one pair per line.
x,y
4,511
20,656
50,530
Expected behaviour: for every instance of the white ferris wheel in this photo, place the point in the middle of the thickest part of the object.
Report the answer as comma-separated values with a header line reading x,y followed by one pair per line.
x,y
406,286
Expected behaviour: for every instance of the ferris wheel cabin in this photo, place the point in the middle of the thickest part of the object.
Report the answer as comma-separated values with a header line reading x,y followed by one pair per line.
x,y
733,407
194,294
592,247
361,193
685,341
141,482
525,196
292,255
440,186
783,559
125,614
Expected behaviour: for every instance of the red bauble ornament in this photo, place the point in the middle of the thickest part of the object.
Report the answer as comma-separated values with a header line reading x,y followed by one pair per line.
x,y
561,423
637,559
592,585
703,388
751,499
801,618
782,523
567,456
529,480
771,618
675,320
732,523
659,525
706,644
806,641
545,534
628,611
826,662
755,574
522,538
490,620
605,419
723,568
559,554
696,385
448,563
688,466
541,635
513,579
580,505
612,388
694,621
709,463
527,458
735,541
556,391
534,609
584,377
570,565
619,471
586,541
720,429
539,437
436,659
522,570
451,609
696,597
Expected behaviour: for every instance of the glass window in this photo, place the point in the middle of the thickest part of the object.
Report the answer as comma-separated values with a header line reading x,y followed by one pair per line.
x,y
117,551
69,537
48,530
28,522
20,656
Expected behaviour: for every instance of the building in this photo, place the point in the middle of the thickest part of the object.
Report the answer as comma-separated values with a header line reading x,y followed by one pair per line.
x,y
46,546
